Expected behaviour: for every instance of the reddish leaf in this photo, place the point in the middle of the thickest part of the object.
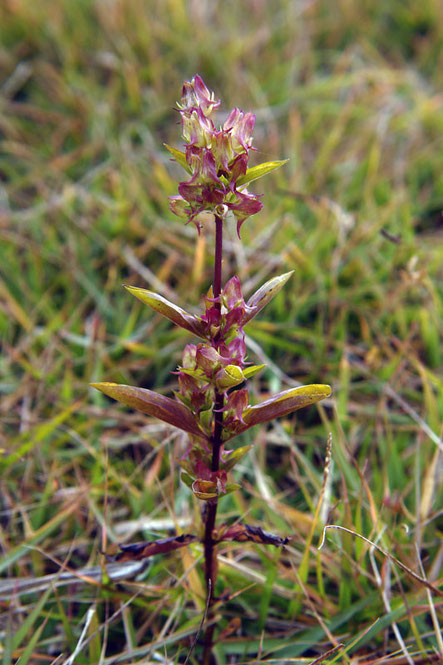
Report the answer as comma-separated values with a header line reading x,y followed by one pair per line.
x,y
172,312
233,626
138,551
281,404
166,409
252,370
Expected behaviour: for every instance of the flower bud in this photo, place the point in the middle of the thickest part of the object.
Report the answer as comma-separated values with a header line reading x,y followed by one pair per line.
x,y
189,356
208,359
195,94
229,377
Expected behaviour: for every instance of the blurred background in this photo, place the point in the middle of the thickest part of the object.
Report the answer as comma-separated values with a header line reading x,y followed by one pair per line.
x,y
351,93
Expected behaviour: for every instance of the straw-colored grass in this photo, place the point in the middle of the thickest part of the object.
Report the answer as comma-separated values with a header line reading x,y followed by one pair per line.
x,y
350,92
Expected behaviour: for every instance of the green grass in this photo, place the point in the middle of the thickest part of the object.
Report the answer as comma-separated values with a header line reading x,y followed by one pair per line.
x,y
351,94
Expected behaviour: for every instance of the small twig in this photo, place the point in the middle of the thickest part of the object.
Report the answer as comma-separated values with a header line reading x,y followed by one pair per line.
x,y
401,565
415,416
205,613
147,274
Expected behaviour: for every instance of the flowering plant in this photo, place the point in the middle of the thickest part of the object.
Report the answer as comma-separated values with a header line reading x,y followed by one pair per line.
x,y
211,404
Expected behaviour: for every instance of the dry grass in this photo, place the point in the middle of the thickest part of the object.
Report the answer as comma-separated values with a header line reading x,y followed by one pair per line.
x,y
351,93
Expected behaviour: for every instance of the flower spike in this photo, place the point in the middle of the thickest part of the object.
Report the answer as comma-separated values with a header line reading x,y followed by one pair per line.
x,y
216,158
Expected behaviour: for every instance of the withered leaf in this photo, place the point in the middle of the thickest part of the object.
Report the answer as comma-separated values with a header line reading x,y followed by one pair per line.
x,y
242,533
233,626
137,551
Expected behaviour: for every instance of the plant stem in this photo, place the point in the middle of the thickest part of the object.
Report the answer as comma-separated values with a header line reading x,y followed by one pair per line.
x,y
218,258
210,551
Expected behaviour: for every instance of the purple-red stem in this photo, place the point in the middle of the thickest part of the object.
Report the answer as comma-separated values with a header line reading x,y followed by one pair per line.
x,y
209,543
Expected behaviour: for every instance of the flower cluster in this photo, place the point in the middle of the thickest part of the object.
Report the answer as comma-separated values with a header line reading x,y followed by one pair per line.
x,y
211,368
217,159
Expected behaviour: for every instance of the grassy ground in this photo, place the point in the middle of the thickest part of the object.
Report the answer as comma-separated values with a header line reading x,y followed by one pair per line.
x,y
351,93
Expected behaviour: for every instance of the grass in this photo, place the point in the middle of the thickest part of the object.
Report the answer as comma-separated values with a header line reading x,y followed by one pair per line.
x,y
351,93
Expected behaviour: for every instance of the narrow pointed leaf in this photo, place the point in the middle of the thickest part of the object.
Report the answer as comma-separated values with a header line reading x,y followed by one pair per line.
x,y
172,312
153,404
27,652
265,294
179,157
235,456
22,631
251,371
196,373
256,172
284,403
187,479
231,487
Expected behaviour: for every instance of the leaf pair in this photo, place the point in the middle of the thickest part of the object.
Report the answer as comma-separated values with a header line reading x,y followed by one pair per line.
x,y
194,324
237,533
174,413
253,173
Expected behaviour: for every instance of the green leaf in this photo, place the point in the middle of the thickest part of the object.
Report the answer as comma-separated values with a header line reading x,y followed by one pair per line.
x,y
28,623
235,456
180,157
248,372
256,172
231,487
205,418
186,464
172,312
153,404
187,479
265,294
195,373
28,651
229,376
